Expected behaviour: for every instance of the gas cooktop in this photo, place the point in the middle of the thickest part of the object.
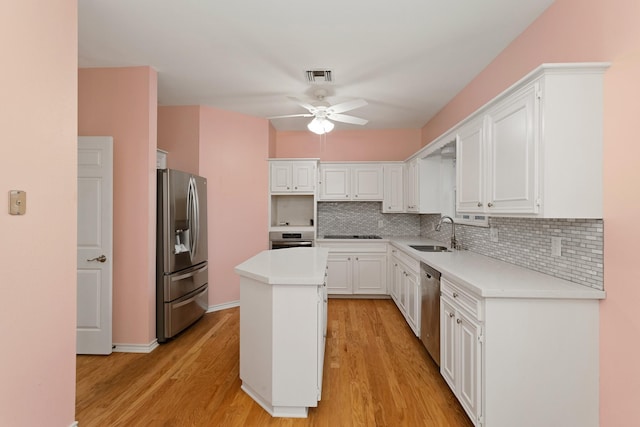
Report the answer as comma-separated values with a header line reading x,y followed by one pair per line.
x,y
352,236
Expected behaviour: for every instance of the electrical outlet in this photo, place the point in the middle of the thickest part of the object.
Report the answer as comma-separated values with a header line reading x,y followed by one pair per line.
x,y
556,246
493,234
380,223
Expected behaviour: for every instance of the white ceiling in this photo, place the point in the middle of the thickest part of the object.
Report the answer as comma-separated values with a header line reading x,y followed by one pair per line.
x,y
406,58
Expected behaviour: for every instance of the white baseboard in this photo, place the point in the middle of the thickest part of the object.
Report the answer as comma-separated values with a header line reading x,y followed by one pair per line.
x,y
223,306
74,424
135,348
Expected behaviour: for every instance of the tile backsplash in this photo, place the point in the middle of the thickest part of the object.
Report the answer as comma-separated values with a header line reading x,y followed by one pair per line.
x,y
363,218
522,241
527,242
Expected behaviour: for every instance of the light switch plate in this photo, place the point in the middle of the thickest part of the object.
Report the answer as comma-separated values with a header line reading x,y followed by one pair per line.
x,y
493,234
17,202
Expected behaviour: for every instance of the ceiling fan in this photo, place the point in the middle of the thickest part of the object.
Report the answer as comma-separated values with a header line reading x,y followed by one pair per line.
x,y
323,114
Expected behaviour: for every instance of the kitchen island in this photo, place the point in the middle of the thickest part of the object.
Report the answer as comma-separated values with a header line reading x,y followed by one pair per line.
x,y
283,321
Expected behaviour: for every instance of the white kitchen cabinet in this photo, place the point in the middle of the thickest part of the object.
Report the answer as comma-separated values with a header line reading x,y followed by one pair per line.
x,y
393,199
461,350
351,182
512,176
356,269
536,149
520,361
293,176
470,169
422,189
406,285
283,329
411,189
340,274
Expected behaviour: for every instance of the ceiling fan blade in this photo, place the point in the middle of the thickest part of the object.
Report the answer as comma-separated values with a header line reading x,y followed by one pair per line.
x,y
346,106
347,119
290,115
303,104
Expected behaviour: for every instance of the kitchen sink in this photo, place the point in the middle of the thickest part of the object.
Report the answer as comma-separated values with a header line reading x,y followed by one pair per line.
x,y
430,248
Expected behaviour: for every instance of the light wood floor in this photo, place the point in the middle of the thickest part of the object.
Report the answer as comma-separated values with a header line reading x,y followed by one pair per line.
x,y
377,373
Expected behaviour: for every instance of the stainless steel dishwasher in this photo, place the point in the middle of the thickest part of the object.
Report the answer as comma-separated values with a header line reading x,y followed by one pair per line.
x,y
430,310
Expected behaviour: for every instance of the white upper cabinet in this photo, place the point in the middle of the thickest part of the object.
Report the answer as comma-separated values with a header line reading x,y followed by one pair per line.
x,y
470,167
513,148
536,150
393,200
293,176
335,182
351,182
423,185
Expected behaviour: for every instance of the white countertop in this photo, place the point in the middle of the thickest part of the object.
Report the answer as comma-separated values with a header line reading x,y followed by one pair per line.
x,y
489,277
292,266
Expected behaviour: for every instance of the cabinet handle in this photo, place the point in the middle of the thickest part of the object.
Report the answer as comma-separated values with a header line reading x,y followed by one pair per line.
x,y
349,259
490,204
346,195
389,207
288,188
479,204
356,195
450,314
357,259
455,295
458,321
295,188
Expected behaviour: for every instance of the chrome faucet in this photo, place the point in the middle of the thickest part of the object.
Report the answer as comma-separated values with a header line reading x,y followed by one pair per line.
x,y
454,241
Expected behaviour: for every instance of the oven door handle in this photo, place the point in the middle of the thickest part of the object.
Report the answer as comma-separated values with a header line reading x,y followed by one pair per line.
x,y
281,244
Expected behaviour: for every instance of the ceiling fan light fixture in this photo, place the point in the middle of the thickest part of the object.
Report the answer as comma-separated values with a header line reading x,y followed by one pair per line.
x,y
320,126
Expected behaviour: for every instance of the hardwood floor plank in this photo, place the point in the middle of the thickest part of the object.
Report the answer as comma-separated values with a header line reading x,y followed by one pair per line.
x,y
376,373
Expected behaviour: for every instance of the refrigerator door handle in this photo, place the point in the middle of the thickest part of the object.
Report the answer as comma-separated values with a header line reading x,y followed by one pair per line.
x,y
194,220
196,216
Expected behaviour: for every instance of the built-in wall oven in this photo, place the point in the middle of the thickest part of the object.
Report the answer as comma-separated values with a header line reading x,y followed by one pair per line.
x,y
290,239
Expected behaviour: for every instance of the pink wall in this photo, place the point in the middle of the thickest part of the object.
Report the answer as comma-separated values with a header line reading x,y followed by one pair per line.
x,y
179,134
591,30
122,102
38,152
355,145
233,156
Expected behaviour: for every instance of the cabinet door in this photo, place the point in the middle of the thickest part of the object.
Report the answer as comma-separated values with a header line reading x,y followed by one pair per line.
x,y
322,333
468,387
334,183
367,182
393,200
339,274
304,177
470,167
447,343
512,165
280,176
413,301
411,186
396,280
370,272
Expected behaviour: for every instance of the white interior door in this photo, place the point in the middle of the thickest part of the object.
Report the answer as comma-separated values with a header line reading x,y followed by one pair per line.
x,y
95,244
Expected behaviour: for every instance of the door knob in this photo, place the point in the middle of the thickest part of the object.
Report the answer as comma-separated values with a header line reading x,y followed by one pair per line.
x,y
100,258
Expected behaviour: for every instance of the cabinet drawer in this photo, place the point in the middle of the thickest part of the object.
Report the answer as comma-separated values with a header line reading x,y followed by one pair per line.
x,y
410,262
463,298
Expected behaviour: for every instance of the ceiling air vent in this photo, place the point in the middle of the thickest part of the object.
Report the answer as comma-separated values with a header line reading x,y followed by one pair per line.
x,y
319,76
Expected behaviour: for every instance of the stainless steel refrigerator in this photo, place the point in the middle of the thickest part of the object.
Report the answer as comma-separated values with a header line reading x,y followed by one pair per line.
x,y
181,265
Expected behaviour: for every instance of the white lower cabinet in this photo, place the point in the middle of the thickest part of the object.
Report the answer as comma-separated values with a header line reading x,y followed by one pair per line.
x,y
460,351
525,362
405,287
356,270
